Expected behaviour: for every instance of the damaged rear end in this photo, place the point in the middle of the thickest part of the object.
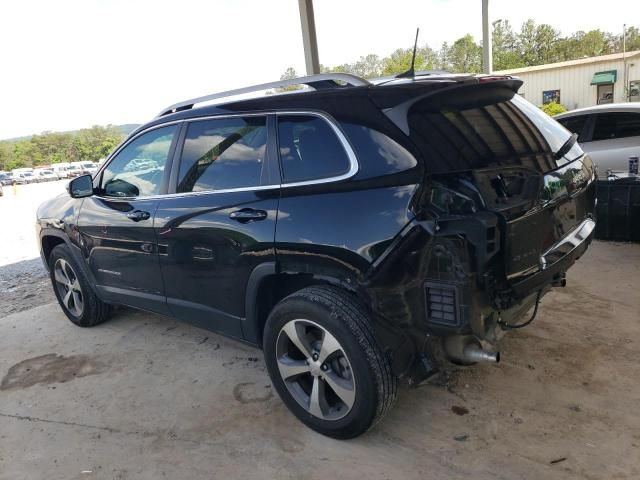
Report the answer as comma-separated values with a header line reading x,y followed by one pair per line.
x,y
507,207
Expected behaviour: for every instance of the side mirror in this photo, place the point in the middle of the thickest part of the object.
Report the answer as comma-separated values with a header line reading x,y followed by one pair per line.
x,y
81,187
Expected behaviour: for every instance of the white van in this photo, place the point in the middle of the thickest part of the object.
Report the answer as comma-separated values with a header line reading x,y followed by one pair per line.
x,y
61,169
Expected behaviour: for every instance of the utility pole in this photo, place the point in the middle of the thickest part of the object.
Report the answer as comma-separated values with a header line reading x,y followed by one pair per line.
x,y
627,93
309,42
487,56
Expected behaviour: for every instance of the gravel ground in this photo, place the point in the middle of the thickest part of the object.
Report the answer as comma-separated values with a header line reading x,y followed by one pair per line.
x,y
24,285
24,282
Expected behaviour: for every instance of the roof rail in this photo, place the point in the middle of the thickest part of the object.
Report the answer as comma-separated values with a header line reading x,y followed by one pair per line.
x,y
318,82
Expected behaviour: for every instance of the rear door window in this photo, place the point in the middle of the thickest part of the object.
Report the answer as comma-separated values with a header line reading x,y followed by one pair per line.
x,y
222,154
478,129
310,149
616,125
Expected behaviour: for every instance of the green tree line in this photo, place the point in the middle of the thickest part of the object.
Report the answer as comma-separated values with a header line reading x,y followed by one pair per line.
x,y
54,147
533,44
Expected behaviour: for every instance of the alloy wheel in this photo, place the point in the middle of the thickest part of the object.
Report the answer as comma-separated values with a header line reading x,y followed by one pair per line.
x,y
315,369
68,287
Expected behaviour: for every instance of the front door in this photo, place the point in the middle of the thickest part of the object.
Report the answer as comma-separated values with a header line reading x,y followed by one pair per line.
x,y
220,222
116,224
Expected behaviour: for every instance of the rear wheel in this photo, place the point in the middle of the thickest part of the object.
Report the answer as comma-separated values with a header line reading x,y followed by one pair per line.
x,y
74,293
325,362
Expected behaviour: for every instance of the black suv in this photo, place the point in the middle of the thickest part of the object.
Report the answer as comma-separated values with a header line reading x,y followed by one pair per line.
x,y
360,232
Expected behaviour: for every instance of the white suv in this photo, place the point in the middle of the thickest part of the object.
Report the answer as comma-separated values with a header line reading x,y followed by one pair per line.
x,y
610,134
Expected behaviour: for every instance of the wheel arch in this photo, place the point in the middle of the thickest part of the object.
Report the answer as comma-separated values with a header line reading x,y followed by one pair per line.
x,y
50,238
266,287
47,243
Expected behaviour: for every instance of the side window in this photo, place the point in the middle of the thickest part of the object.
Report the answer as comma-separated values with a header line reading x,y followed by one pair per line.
x,y
616,125
309,149
223,153
575,125
138,168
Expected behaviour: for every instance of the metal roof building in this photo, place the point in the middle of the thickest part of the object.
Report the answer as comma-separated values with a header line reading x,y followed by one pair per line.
x,y
582,83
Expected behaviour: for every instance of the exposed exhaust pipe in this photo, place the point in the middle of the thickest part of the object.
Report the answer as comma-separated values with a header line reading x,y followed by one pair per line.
x,y
464,349
475,353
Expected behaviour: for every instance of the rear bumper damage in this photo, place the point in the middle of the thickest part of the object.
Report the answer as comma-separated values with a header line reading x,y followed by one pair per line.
x,y
482,274
557,259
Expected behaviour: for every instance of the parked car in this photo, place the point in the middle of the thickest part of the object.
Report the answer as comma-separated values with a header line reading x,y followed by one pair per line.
x,y
610,133
5,179
1,190
22,178
45,175
357,232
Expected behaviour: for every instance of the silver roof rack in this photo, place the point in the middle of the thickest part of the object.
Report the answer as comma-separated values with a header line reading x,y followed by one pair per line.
x,y
318,82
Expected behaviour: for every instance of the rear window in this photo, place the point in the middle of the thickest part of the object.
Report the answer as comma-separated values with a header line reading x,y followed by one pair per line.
x,y
616,125
478,129
310,149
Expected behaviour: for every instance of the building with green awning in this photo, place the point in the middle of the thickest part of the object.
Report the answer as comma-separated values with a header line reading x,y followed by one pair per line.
x,y
581,83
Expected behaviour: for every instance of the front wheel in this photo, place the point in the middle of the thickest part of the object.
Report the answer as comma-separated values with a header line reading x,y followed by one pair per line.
x,y
326,363
73,291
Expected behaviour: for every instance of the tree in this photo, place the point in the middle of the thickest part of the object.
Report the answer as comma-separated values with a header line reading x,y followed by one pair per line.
x,y
538,43
505,46
289,74
53,147
633,40
368,66
400,60
465,56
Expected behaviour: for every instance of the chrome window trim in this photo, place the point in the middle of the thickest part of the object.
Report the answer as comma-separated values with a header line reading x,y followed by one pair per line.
x,y
354,166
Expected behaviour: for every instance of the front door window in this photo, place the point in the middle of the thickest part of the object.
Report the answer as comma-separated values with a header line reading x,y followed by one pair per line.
x,y
137,170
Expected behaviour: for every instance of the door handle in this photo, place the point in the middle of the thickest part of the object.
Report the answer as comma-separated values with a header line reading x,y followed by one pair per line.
x,y
248,215
138,215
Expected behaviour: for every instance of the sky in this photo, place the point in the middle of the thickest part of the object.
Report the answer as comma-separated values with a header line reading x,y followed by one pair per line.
x,y
70,64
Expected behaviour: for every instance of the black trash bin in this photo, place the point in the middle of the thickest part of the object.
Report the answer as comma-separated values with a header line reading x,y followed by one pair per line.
x,y
618,208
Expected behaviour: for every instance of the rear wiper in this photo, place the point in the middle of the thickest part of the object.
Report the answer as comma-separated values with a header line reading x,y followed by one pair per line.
x,y
566,146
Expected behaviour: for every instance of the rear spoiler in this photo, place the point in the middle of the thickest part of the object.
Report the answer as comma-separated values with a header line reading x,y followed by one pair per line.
x,y
398,114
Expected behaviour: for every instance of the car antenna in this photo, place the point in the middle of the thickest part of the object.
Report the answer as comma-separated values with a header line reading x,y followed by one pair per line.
x,y
411,72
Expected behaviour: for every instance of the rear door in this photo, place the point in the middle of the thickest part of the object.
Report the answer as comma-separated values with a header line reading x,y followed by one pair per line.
x,y
219,222
116,225
616,136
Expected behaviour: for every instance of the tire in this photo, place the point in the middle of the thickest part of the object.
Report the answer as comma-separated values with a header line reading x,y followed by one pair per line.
x,y
82,307
300,331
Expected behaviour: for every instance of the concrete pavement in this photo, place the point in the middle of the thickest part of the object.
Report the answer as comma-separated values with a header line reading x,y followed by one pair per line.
x,y
144,397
